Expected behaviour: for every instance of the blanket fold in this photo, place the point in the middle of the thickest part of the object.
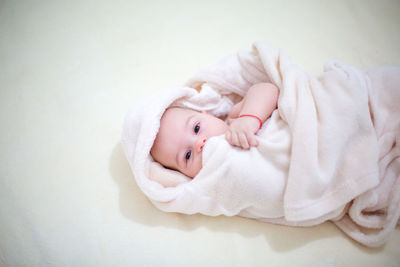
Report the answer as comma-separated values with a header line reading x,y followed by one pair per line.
x,y
329,152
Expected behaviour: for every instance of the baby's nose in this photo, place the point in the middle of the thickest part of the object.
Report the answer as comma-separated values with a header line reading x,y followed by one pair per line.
x,y
200,144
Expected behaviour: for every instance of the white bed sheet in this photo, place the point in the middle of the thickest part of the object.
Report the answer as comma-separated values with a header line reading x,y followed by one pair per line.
x,y
68,73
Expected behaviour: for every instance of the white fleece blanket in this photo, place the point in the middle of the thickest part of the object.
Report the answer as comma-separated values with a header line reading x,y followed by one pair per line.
x,y
330,151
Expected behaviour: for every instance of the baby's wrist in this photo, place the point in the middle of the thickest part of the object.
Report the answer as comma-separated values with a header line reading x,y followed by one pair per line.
x,y
253,118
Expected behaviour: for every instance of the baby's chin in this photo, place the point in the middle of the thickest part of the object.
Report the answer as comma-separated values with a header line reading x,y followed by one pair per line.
x,y
191,174
197,169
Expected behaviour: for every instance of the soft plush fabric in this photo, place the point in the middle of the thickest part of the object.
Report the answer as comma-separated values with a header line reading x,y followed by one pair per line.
x,y
329,152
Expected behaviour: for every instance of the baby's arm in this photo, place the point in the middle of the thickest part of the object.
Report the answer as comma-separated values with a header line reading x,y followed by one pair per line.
x,y
260,101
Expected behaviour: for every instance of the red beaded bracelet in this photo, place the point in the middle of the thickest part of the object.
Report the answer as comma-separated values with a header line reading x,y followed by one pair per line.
x,y
254,116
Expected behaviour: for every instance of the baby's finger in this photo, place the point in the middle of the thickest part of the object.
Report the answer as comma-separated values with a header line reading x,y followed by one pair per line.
x,y
228,137
235,139
243,141
252,140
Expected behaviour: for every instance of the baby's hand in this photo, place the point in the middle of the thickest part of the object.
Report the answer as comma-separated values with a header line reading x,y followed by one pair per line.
x,y
242,132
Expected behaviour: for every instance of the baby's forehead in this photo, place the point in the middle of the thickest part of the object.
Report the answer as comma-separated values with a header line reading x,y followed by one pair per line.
x,y
172,126
177,113
173,122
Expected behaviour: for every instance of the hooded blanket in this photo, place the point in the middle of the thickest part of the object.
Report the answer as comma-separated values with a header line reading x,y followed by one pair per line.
x,y
329,152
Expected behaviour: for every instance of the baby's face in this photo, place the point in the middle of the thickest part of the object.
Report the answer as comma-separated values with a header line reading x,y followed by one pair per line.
x,y
182,135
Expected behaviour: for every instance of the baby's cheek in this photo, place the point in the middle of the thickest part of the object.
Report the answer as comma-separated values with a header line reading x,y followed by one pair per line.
x,y
198,164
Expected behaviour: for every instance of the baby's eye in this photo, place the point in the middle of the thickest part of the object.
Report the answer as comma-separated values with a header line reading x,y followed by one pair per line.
x,y
188,154
197,128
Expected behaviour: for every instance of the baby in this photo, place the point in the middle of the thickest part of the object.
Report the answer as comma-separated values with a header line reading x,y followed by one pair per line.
x,y
183,132
310,165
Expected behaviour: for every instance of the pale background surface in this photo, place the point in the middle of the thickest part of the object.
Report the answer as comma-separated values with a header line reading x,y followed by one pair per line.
x,y
68,73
